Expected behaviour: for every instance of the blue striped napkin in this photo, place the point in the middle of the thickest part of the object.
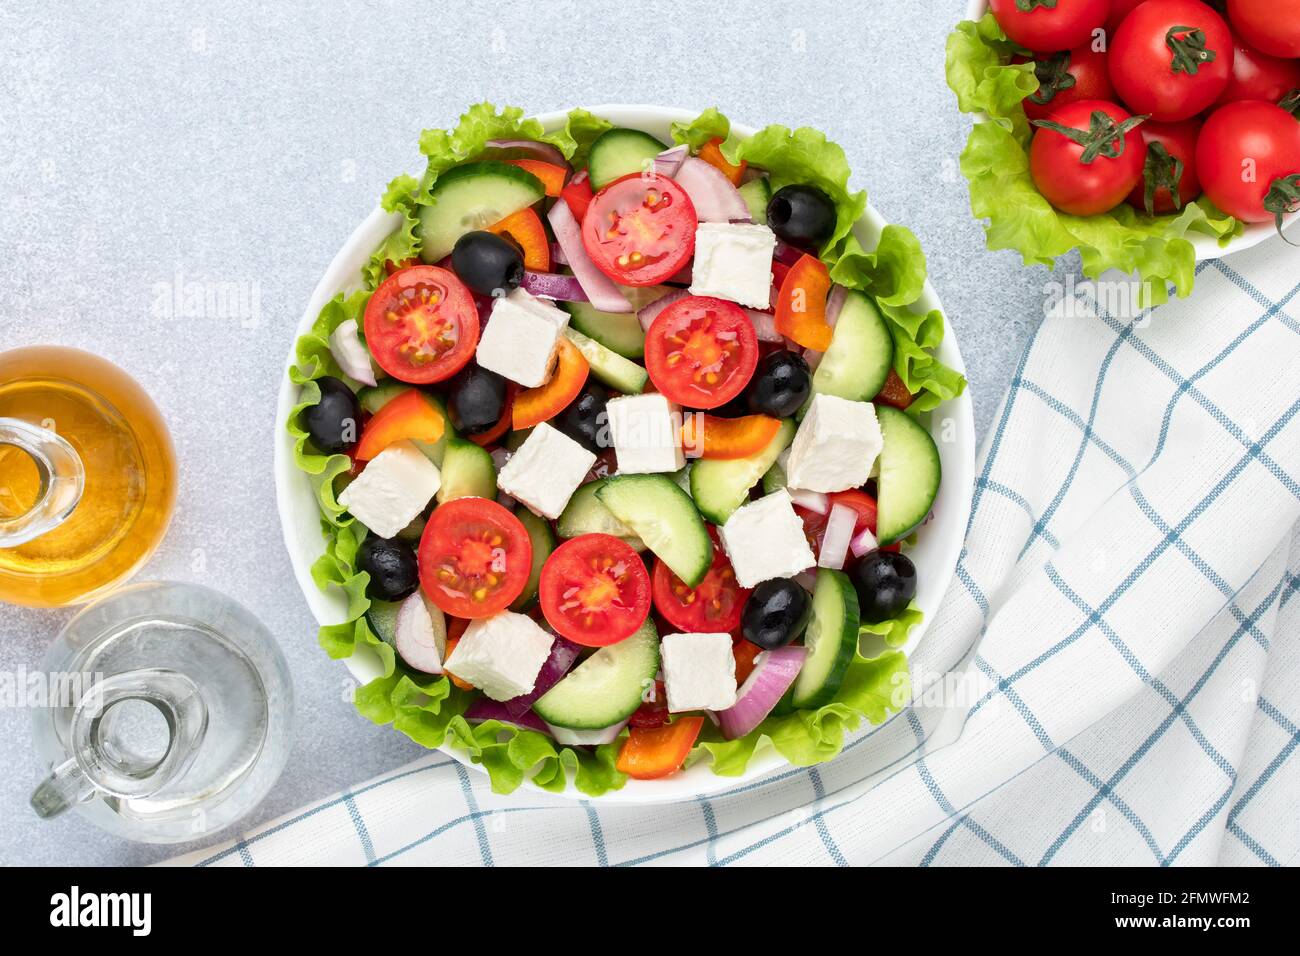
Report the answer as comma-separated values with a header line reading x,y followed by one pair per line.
x,y
1114,677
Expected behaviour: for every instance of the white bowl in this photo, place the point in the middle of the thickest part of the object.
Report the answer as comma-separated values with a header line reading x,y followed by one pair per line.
x,y
935,554
1207,247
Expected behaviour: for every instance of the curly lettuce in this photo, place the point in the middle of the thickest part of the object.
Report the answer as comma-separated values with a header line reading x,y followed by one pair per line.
x,y
995,162
401,244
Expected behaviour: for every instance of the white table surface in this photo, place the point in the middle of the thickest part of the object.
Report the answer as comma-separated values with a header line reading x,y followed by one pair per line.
x,y
146,146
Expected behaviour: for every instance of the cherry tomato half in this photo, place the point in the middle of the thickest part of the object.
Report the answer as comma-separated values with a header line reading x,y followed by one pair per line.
x,y
714,606
1168,144
1170,59
475,557
1259,137
640,230
1087,180
1271,26
1067,77
1045,27
421,325
595,590
701,352
814,524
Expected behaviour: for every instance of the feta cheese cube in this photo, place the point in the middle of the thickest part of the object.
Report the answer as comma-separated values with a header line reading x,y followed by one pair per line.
x,y
546,470
647,434
836,445
734,261
521,338
764,539
393,489
501,655
699,671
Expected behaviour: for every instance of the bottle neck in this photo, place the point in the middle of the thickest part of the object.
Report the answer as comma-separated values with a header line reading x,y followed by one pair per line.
x,y
60,475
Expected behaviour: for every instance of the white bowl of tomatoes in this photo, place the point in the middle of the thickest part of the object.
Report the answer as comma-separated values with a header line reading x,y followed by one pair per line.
x,y
934,552
1209,81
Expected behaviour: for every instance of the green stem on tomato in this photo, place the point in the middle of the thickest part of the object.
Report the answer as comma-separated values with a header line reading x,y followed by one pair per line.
x,y
1054,76
1161,170
1103,137
1188,47
1291,103
1025,6
1283,197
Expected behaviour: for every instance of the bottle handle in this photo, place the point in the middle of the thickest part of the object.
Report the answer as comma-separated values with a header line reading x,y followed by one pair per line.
x,y
62,481
100,765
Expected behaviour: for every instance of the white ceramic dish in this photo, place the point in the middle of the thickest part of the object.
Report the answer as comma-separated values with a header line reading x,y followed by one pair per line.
x,y
935,554
1207,247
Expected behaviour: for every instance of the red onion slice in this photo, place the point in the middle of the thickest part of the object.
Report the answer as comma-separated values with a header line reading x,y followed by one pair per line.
x,y
669,162
420,634
651,311
764,325
524,149
714,197
557,255
351,354
586,738
601,290
564,654
486,709
836,538
553,285
835,304
810,500
774,672
786,253
863,542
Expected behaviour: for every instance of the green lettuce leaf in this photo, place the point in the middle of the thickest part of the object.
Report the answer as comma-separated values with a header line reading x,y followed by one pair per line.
x,y
996,164
894,631
511,755
710,124
873,689
402,243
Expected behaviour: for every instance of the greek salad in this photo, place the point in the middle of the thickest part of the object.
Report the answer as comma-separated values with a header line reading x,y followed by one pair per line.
x,y
618,450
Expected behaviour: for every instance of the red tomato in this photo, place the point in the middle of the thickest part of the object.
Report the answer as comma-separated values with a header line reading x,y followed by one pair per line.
x,y
640,230
1119,9
1248,158
1170,59
1258,76
595,590
421,325
1271,26
701,352
1167,145
475,557
712,607
653,711
814,524
1091,168
1044,26
1067,77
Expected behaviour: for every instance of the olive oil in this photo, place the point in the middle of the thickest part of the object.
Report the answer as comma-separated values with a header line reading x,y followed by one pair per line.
x,y
127,481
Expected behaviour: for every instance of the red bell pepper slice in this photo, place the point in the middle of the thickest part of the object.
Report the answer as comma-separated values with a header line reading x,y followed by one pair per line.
x,y
707,436
801,305
894,392
744,652
526,229
651,752
410,415
533,406
551,175
712,154
578,195
652,712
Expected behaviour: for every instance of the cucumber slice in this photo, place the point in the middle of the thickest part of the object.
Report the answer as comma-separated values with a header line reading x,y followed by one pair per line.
x,y
774,478
617,152
909,474
757,193
621,334
382,618
831,640
605,688
471,197
721,486
861,353
664,517
414,531
619,373
374,398
584,514
543,541
467,472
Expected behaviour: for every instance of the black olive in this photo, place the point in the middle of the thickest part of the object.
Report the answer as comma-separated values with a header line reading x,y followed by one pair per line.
x,y
394,572
781,384
487,263
585,420
334,423
801,215
885,582
776,613
476,399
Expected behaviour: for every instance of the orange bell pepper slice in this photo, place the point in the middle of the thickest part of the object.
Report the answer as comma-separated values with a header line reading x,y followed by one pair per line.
x,y
712,154
535,405
651,752
410,416
894,392
707,436
452,641
551,175
744,652
801,304
526,230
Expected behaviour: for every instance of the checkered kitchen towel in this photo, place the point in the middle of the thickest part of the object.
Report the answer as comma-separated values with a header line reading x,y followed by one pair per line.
x,y
1114,677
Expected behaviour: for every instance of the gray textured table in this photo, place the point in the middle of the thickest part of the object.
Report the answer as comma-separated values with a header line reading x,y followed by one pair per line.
x,y
146,147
